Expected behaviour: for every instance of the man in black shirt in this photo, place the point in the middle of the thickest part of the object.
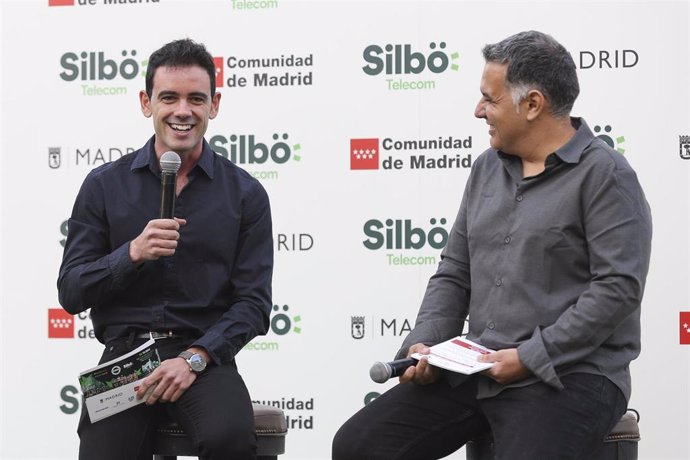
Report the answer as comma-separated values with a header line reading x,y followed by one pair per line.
x,y
200,284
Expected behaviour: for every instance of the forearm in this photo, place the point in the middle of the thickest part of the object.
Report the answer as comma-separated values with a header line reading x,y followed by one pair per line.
x,y
244,321
82,284
583,328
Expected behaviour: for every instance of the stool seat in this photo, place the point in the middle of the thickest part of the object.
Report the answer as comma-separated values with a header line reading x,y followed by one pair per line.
x,y
619,444
270,426
627,428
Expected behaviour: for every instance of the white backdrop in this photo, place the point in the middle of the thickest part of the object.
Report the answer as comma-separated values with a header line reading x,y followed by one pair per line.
x,y
346,287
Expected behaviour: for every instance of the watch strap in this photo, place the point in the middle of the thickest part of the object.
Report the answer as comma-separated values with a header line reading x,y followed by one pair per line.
x,y
188,355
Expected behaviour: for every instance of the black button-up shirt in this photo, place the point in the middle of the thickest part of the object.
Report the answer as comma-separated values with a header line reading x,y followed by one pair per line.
x,y
216,287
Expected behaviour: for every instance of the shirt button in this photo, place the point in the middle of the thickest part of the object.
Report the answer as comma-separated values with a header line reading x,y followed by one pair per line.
x,y
507,239
518,198
491,325
499,282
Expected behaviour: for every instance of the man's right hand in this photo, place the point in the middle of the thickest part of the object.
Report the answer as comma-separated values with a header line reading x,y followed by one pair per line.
x,y
158,239
423,373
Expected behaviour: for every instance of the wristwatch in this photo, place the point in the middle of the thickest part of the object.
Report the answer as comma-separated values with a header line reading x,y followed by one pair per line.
x,y
196,362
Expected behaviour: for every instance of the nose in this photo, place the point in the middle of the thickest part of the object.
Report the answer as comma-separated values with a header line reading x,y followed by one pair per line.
x,y
183,109
480,110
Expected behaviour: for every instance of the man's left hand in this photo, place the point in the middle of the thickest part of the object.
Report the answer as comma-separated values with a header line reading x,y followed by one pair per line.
x,y
507,366
169,381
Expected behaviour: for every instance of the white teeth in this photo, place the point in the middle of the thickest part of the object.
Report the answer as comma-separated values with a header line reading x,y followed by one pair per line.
x,y
181,127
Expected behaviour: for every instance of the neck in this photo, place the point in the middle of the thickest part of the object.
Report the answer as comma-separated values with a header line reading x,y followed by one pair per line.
x,y
546,137
189,160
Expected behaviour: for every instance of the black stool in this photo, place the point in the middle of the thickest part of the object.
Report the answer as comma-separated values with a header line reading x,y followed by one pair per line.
x,y
271,429
620,444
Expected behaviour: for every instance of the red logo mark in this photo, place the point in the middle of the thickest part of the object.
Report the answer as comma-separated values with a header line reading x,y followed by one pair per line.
x,y
218,62
60,2
685,327
60,324
364,154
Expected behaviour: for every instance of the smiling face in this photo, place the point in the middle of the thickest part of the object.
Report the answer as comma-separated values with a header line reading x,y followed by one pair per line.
x,y
506,125
181,106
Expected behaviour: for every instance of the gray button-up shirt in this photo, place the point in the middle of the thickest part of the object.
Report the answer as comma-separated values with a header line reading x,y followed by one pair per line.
x,y
553,265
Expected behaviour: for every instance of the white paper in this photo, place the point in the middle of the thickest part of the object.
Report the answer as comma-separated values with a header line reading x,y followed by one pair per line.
x,y
458,355
111,387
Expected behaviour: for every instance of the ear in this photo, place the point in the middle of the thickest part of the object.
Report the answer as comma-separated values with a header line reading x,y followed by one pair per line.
x,y
536,104
215,103
145,104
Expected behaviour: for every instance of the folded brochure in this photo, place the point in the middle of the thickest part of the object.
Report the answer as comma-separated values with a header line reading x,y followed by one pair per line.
x,y
458,355
111,387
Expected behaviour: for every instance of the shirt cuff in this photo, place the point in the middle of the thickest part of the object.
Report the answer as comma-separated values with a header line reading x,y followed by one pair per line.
x,y
121,266
215,346
534,356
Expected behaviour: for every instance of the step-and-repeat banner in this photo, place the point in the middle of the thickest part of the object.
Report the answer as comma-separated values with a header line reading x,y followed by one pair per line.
x,y
357,117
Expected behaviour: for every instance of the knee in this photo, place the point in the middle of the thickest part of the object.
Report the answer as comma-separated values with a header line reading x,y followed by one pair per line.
x,y
225,445
348,443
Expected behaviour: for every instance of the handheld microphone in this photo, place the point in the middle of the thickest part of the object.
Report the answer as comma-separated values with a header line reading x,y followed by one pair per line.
x,y
170,164
381,372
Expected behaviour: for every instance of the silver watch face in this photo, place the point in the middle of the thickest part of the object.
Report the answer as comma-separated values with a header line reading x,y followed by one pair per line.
x,y
197,363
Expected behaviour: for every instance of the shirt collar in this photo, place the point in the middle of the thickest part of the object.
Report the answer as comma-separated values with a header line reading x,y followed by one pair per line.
x,y
572,150
146,157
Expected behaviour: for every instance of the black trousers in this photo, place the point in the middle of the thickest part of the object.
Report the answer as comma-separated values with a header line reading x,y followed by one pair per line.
x,y
216,412
535,422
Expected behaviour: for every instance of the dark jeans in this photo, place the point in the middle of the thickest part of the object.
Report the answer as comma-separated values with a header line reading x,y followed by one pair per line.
x,y
530,423
216,412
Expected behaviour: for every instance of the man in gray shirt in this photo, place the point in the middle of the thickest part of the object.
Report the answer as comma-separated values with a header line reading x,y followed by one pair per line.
x,y
547,261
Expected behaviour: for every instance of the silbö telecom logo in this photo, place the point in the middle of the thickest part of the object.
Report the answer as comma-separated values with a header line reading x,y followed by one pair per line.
x,y
249,151
254,4
102,74
282,323
398,62
398,237
606,135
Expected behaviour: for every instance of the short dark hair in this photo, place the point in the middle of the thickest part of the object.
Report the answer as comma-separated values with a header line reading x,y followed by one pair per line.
x,y
537,61
181,53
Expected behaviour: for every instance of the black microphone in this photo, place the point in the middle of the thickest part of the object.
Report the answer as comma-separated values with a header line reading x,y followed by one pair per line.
x,y
170,164
380,372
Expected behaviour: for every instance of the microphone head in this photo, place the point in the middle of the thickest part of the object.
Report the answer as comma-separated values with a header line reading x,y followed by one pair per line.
x,y
170,162
380,372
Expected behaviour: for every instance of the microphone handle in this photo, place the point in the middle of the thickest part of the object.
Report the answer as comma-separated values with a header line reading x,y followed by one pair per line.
x,y
168,183
398,367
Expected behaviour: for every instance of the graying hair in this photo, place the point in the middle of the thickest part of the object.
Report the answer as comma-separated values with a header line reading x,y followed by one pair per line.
x,y
536,60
